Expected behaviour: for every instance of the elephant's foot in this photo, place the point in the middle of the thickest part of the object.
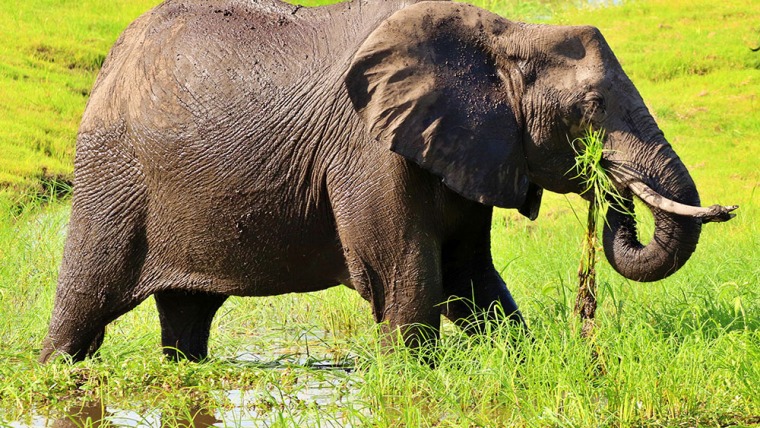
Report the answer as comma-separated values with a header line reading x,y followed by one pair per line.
x,y
77,349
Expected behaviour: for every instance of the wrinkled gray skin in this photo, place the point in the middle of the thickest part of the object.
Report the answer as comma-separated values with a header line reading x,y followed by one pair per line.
x,y
257,148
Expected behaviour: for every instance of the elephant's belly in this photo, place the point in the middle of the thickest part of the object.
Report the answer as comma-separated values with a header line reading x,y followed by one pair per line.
x,y
271,271
250,273
257,256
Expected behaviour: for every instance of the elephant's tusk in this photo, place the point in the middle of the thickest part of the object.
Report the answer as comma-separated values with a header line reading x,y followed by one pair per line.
x,y
714,213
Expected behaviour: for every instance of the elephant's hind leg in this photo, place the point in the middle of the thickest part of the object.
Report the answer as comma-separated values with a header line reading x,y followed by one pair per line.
x,y
186,322
104,254
95,286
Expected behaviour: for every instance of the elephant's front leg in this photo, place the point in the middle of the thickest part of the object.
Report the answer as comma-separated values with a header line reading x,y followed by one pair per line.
x,y
402,282
390,239
474,292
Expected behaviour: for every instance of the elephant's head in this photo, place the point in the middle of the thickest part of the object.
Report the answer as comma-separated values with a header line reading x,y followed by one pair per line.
x,y
493,107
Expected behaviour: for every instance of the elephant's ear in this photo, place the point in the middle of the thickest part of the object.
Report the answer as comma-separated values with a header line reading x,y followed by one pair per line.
x,y
428,83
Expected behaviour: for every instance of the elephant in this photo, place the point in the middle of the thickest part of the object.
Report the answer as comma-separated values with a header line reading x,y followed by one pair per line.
x,y
252,148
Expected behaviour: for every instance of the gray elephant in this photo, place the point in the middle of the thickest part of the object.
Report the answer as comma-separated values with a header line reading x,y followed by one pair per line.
x,y
257,148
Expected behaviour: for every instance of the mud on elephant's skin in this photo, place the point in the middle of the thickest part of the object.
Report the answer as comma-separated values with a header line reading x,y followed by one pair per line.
x,y
271,149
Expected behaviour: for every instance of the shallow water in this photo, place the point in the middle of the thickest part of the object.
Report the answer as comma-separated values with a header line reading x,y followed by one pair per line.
x,y
97,414
321,392
316,402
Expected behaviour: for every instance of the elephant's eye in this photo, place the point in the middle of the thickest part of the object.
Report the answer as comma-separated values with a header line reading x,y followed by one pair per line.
x,y
593,106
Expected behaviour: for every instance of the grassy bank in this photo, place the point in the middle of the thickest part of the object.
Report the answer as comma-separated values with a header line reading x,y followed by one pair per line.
x,y
680,352
50,53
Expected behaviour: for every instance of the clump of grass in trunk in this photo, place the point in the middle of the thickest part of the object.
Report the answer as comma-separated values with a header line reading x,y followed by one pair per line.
x,y
585,303
589,153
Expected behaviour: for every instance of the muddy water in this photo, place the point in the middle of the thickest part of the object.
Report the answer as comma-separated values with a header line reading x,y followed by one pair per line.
x,y
246,413
317,390
97,414
324,401
94,414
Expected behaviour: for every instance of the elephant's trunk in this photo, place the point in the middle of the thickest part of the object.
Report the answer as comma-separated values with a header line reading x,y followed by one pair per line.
x,y
676,231
675,239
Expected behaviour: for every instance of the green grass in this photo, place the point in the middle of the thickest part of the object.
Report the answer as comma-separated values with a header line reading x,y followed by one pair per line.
x,y
50,52
680,352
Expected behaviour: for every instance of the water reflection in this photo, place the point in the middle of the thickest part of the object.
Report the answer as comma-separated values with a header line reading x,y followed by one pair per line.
x,y
96,415
312,404
86,414
317,393
200,418
294,382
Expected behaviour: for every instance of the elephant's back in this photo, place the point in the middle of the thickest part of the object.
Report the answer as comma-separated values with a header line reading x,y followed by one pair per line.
x,y
188,64
209,102
185,55
187,68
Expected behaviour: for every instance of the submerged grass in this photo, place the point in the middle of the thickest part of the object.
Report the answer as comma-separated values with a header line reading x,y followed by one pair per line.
x,y
679,352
